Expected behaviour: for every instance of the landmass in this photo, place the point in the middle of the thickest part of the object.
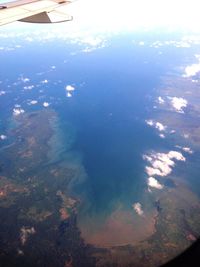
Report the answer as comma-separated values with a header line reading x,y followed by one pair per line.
x,y
38,225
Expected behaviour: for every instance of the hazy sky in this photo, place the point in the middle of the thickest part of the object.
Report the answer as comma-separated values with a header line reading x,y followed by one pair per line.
x,y
133,14
117,15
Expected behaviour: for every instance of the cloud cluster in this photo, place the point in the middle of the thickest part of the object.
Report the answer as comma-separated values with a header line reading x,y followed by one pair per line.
x,y
178,103
69,89
9,47
158,125
93,43
85,39
138,208
24,80
17,111
176,43
29,87
161,164
25,232
185,149
188,150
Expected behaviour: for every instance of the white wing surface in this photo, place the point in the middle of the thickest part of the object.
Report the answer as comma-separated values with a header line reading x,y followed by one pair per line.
x,y
35,11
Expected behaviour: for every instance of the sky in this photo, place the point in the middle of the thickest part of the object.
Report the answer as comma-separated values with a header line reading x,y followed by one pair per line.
x,y
133,14
114,15
130,15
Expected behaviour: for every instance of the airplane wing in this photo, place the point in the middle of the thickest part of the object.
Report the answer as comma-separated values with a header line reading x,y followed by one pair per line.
x,y
35,11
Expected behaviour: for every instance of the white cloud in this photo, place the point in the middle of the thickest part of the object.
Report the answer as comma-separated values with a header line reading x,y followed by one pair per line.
x,y
149,122
32,102
148,158
180,43
162,136
69,88
2,92
91,49
183,44
192,70
160,126
44,81
29,87
161,163
3,137
178,103
138,208
17,105
176,155
151,171
18,111
160,100
194,81
25,232
92,41
141,43
69,94
24,80
45,104
163,166
152,182
29,39
7,48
